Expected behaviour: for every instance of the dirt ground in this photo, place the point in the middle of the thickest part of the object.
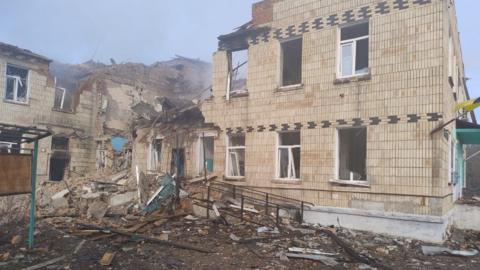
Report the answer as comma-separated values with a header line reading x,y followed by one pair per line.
x,y
55,238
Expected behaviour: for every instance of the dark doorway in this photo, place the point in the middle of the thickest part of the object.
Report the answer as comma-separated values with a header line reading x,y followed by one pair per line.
x,y
178,159
60,158
57,168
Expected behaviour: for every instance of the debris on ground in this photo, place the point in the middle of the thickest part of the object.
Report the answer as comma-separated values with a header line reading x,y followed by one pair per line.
x,y
102,224
434,250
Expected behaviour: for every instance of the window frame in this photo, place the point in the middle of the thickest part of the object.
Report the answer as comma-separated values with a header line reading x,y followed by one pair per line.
x,y
230,68
64,92
200,153
227,159
9,147
291,159
151,167
452,162
365,182
282,62
353,41
15,87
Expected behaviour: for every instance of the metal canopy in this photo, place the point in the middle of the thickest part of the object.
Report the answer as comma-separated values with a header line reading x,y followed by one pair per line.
x,y
467,133
468,136
19,134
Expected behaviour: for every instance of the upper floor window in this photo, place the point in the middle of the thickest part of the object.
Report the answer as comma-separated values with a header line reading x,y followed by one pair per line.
x,y
353,49
17,84
292,62
237,72
236,156
63,100
288,156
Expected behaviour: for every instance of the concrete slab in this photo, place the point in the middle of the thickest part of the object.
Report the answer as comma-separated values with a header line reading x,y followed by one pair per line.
x,y
122,199
425,228
466,217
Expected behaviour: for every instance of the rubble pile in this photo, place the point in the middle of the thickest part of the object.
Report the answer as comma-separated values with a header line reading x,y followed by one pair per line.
x,y
134,221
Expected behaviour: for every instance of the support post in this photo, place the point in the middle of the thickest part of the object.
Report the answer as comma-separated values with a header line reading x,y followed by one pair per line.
x,y
266,204
301,212
208,201
278,215
241,208
31,227
204,160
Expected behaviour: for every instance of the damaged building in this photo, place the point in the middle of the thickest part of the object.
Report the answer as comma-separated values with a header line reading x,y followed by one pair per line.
x,y
347,106
31,98
334,102
87,107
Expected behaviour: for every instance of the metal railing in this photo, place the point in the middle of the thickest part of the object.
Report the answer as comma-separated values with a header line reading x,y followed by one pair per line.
x,y
259,198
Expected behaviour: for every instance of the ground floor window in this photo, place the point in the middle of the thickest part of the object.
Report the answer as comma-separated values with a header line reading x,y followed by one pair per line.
x,y
236,156
352,154
7,147
288,156
206,154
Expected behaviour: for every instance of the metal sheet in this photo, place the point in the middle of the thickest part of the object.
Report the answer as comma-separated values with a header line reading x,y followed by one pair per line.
x,y
15,174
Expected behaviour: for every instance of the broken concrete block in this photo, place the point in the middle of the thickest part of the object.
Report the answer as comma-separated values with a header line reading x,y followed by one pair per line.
x,y
60,194
119,176
97,210
59,203
122,199
91,195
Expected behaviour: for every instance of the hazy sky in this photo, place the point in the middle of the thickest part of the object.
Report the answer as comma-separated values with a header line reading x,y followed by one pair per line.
x,y
74,31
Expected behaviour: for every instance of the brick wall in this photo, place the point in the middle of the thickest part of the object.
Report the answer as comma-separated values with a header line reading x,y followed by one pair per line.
x,y
401,102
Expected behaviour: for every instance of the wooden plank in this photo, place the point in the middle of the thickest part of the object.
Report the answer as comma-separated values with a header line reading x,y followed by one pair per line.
x,y
15,174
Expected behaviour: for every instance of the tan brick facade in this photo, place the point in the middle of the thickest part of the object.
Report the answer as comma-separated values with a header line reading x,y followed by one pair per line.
x,y
404,97
38,111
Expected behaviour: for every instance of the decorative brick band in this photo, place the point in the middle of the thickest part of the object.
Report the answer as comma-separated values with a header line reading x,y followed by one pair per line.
x,y
348,16
355,122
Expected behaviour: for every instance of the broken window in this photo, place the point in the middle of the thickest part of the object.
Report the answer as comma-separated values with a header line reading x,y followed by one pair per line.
x,y
450,59
206,149
155,154
236,156
63,100
288,155
292,62
8,147
17,88
59,143
352,154
354,50
237,72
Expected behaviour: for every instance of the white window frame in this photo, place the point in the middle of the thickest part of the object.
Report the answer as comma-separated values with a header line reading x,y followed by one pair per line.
x,y
230,91
200,151
63,96
291,161
18,81
452,163
337,161
353,42
450,56
229,165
